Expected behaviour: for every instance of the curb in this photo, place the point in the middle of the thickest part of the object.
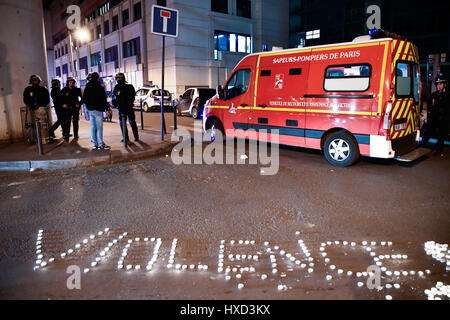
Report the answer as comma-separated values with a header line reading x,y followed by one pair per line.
x,y
115,156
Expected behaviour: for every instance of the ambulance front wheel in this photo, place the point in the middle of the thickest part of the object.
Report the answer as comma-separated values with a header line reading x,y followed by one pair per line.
x,y
215,126
341,149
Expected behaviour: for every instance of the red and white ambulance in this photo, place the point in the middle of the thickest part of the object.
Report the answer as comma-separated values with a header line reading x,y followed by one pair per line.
x,y
346,99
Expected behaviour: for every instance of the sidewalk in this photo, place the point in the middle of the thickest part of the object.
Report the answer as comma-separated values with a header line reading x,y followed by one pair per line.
x,y
79,153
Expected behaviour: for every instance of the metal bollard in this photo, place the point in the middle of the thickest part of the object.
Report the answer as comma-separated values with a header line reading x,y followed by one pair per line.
x,y
38,137
174,117
124,127
142,117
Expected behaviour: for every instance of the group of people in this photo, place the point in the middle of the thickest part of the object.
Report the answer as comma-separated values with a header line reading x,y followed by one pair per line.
x,y
438,119
68,101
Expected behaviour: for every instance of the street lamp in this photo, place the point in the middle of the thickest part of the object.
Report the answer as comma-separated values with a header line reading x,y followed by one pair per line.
x,y
82,35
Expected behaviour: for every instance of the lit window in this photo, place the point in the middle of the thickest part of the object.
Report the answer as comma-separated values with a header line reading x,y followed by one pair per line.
x,y
315,34
232,42
241,43
249,45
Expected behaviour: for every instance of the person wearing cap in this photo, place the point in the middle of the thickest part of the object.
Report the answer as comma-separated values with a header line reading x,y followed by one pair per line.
x,y
124,95
71,101
94,97
55,93
441,106
35,96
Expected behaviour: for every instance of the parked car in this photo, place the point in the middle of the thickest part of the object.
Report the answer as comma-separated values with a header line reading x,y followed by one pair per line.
x,y
151,98
193,100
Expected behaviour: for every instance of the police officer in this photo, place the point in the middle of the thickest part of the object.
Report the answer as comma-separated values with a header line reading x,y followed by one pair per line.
x,y
35,96
441,108
71,101
55,93
124,95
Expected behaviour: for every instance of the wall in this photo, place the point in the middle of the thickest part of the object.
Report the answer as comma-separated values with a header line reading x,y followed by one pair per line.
x,y
22,53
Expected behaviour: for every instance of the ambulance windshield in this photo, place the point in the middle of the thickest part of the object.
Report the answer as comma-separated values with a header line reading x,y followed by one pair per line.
x,y
238,83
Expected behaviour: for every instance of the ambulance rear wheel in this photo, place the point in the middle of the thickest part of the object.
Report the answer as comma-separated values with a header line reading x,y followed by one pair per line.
x,y
341,149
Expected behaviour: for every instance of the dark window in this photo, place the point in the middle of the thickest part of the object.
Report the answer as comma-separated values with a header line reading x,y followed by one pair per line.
x,y
162,3
263,120
295,71
65,68
244,8
266,73
96,59
99,31
106,27
125,17
111,54
114,3
91,16
157,92
238,83
56,54
59,52
292,123
188,94
137,12
115,23
65,46
352,77
219,6
83,63
131,48
58,71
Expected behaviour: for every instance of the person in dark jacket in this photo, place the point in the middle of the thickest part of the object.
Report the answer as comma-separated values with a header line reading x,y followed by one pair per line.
x,y
441,106
35,96
71,101
94,98
60,115
124,95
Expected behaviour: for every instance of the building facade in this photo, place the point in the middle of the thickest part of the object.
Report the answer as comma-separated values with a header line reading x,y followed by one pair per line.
x,y
214,35
426,24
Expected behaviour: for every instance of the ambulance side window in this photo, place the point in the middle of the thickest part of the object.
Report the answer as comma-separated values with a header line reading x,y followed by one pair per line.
x,y
238,83
353,77
403,80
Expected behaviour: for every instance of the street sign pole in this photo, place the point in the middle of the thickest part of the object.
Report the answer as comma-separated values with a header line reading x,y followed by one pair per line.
x,y
164,23
163,125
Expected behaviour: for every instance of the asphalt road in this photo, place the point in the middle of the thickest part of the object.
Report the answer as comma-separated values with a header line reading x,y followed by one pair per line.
x,y
311,230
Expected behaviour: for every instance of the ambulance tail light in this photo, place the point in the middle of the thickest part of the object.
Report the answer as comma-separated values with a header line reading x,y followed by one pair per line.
x,y
387,117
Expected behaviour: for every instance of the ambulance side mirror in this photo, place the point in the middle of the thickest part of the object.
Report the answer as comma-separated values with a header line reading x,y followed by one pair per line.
x,y
220,92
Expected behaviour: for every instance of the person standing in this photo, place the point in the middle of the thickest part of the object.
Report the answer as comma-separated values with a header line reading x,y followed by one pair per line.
x,y
71,101
95,100
35,96
56,97
441,106
124,95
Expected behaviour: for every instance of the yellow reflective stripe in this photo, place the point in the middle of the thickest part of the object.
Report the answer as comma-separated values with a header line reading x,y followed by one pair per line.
x,y
217,107
256,81
406,50
399,114
383,72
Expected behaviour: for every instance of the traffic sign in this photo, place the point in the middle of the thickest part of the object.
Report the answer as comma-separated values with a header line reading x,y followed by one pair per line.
x,y
164,21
